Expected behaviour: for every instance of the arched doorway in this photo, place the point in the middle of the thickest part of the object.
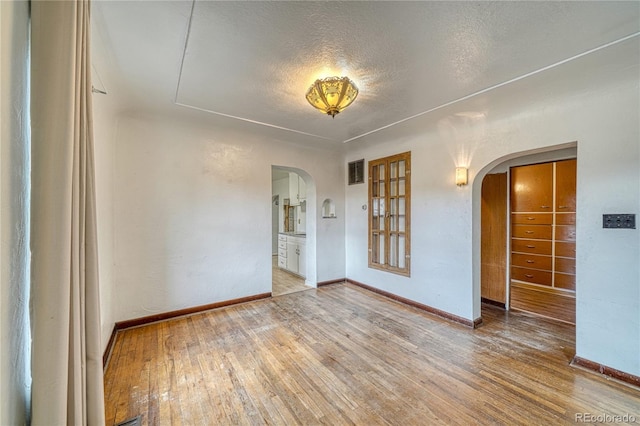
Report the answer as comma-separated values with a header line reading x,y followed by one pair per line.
x,y
293,239
492,226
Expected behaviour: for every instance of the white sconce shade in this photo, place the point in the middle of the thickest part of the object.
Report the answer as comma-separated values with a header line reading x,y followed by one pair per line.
x,y
461,176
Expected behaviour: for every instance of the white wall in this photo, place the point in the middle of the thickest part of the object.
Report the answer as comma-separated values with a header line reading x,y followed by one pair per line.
x,y
440,228
15,379
446,219
192,214
105,131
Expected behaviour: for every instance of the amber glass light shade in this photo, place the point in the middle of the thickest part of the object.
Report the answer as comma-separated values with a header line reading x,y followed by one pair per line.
x,y
332,94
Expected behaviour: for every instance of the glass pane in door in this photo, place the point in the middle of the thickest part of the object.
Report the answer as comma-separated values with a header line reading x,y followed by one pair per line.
x,y
393,250
375,253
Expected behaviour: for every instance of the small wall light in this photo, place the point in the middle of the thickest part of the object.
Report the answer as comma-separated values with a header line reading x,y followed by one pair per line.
x,y
461,176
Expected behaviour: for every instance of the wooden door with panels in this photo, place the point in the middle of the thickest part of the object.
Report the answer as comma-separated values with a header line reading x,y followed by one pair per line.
x,y
543,211
493,246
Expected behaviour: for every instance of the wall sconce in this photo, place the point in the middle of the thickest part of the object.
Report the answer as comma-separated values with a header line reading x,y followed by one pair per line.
x,y
462,175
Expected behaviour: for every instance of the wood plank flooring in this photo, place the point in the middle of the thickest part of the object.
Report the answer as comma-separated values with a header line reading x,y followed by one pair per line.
x,y
284,282
342,355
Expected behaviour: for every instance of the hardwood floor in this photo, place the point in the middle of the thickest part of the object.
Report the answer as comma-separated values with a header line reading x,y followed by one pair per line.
x,y
284,282
343,355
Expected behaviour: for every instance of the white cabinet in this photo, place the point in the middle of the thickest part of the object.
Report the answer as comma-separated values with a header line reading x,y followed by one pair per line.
x,y
302,189
282,251
292,254
297,189
294,196
301,215
302,258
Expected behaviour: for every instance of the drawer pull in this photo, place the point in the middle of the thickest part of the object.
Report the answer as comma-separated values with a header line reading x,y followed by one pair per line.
x,y
531,261
530,246
528,275
528,232
544,207
531,218
562,207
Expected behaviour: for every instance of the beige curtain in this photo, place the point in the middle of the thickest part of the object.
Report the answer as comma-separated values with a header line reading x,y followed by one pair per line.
x,y
67,385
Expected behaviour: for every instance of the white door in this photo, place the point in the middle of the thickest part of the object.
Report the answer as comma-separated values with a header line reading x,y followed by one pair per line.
x,y
292,256
302,260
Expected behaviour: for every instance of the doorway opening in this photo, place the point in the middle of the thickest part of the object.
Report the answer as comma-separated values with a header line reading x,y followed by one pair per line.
x,y
521,266
293,225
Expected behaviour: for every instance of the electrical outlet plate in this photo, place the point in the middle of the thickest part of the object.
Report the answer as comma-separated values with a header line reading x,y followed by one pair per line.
x,y
619,221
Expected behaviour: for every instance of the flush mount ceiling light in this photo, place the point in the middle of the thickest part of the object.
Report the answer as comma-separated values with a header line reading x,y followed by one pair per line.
x,y
332,94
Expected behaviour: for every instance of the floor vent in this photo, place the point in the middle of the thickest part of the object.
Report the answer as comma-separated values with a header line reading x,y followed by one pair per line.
x,y
135,421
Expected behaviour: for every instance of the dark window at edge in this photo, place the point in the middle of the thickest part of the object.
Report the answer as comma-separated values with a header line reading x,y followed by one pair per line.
x,y
356,172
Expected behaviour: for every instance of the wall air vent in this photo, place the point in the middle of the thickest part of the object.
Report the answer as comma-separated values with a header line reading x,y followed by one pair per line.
x,y
356,172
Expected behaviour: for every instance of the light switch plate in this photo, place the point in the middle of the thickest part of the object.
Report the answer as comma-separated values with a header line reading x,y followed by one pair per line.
x,y
619,221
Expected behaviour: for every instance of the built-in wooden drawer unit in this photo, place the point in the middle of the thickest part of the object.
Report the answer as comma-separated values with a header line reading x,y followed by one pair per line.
x,y
531,246
565,281
531,261
565,249
532,218
565,218
565,232
565,265
531,275
543,239
537,232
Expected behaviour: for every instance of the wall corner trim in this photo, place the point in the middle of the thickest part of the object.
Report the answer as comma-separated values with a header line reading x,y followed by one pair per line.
x,y
107,351
336,281
606,371
442,314
135,322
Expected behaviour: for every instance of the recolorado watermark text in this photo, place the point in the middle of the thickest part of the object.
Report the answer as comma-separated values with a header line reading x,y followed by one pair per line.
x,y
605,418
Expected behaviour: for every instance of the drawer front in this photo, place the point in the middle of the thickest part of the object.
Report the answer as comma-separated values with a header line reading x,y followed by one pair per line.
x,y
538,232
566,249
282,262
282,238
532,218
565,218
282,252
566,232
282,244
531,246
565,281
531,275
296,240
566,265
531,261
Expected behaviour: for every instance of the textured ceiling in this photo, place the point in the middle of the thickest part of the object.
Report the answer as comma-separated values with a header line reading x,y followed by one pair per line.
x,y
252,62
